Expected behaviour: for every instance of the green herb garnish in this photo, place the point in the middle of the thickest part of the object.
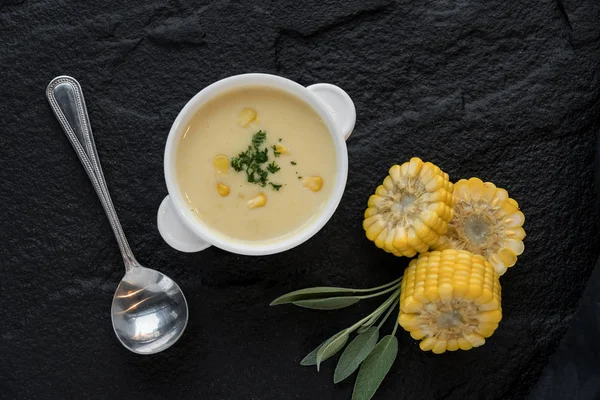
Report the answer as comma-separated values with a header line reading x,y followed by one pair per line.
x,y
293,162
262,156
259,138
273,167
275,186
253,159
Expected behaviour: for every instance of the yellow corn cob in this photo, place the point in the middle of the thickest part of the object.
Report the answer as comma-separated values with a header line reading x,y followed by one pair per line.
x,y
450,300
486,222
409,212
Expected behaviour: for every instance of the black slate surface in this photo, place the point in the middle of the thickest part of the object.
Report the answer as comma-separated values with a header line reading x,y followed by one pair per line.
x,y
507,91
574,371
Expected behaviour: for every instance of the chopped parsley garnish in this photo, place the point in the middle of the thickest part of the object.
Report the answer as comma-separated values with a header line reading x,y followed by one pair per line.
x,y
252,162
259,138
262,156
299,177
280,139
293,162
273,167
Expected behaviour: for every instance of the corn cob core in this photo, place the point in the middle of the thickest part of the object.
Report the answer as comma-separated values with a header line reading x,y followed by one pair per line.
x,y
486,222
409,212
450,300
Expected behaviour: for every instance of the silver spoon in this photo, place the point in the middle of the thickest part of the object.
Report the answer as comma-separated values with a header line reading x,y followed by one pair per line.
x,y
149,312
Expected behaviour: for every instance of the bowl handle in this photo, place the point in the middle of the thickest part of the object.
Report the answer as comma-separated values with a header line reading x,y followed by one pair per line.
x,y
174,231
339,104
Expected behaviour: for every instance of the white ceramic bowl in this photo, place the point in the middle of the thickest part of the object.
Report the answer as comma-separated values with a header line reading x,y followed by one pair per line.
x,y
183,231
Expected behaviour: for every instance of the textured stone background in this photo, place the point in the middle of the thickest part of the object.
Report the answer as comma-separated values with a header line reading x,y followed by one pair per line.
x,y
507,91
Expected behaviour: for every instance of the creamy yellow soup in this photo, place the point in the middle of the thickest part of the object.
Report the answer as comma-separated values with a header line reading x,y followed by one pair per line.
x,y
217,157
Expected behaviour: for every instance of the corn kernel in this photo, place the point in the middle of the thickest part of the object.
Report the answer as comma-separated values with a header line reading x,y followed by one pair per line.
x,y
452,345
246,117
374,230
314,183
428,344
281,149
440,347
257,201
221,164
464,344
223,190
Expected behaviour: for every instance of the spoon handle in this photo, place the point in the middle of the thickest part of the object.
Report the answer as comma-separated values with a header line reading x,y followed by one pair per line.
x,y
66,100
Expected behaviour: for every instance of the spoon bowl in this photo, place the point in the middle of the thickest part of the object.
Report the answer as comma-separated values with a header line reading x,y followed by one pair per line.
x,y
149,311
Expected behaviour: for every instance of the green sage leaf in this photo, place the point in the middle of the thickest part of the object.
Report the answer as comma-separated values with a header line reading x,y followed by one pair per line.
x,y
375,367
312,293
330,303
355,353
331,348
311,358
363,329
320,292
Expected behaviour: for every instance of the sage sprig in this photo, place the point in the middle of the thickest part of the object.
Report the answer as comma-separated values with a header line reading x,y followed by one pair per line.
x,y
373,359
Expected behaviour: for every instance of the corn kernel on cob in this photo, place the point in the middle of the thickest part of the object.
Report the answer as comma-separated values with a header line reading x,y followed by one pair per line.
x,y
409,212
450,300
486,222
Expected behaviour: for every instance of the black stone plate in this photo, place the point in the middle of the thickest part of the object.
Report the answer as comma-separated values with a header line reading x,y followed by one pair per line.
x,y
505,90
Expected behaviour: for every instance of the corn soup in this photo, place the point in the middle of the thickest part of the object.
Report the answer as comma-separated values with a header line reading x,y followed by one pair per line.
x,y
256,164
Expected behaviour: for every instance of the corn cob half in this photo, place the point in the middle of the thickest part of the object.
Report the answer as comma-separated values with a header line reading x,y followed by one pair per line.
x,y
450,300
411,209
487,222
